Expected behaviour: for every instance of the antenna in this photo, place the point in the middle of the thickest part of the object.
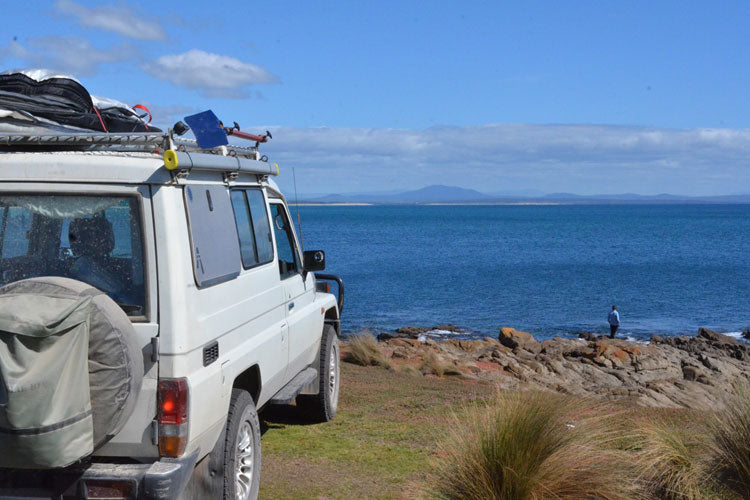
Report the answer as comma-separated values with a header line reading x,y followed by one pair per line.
x,y
296,203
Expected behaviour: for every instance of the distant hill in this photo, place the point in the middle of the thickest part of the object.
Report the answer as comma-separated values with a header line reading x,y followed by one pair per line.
x,y
453,194
429,194
441,193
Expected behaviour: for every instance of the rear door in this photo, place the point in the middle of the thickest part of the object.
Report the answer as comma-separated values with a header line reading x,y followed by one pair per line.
x,y
35,229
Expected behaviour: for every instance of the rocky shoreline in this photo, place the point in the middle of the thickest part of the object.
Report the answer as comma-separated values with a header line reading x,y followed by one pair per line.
x,y
681,372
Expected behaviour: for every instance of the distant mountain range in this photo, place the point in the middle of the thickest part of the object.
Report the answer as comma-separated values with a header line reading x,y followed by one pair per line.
x,y
457,195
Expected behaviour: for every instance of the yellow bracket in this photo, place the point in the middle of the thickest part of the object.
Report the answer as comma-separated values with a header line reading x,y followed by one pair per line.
x,y
170,159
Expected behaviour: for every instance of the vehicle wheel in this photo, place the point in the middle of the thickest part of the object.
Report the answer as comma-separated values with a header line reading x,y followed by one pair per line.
x,y
322,407
242,449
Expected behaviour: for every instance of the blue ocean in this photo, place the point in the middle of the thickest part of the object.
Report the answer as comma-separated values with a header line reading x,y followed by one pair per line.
x,y
549,270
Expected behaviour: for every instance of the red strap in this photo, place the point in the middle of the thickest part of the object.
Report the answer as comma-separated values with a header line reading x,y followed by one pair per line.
x,y
144,108
100,119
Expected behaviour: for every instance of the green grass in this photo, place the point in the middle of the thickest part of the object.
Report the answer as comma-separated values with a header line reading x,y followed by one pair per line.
x,y
397,436
379,444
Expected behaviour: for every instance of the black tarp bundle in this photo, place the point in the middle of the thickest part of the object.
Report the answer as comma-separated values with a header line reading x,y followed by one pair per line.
x,y
58,100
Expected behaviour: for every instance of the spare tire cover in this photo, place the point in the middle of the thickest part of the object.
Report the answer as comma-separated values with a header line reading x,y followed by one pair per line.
x,y
115,360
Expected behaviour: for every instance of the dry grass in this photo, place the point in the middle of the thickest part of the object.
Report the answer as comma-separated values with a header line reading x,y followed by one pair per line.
x,y
363,350
730,435
382,445
672,461
436,365
532,446
410,370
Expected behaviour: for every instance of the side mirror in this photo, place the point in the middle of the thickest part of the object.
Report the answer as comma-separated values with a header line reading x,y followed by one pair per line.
x,y
314,260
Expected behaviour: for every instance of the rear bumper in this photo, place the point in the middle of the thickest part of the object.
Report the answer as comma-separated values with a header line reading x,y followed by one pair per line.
x,y
161,480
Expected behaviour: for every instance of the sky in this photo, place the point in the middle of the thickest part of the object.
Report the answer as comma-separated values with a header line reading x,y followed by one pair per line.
x,y
503,97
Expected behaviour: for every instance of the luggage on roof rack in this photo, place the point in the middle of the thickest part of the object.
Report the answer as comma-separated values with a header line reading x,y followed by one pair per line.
x,y
43,112
40,100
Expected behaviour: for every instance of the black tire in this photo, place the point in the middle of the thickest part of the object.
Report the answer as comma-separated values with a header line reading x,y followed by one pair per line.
x,y
242,425
216,475
322,407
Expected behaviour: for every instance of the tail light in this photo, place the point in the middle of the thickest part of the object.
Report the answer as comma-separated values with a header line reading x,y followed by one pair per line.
x,y
173,416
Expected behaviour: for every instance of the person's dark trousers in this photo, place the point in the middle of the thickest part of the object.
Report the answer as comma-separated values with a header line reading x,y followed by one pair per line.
x,y
613,330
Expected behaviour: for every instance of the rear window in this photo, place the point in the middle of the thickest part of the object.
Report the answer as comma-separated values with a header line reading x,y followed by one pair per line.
x,y
94,239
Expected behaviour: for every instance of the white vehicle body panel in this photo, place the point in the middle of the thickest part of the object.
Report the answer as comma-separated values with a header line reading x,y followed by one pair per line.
x,y
249,316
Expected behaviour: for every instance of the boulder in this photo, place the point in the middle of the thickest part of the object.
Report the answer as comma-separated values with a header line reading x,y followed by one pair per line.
x,y
689,373
685,371
450,327
558,347
717,337
412,330
607,350
512,338
588,336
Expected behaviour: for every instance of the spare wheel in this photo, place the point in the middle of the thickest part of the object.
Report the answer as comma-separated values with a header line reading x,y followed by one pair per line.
x,y
115,361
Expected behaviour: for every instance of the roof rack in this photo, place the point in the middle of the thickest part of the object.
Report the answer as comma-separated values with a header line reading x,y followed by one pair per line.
x,y
148,142
180,155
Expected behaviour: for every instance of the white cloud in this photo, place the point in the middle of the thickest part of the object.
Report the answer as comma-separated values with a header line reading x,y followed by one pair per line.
x,y
212,74
118,19
69,54
583,159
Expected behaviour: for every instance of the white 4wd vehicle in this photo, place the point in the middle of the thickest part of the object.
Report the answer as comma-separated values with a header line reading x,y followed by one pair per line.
x,y
223,315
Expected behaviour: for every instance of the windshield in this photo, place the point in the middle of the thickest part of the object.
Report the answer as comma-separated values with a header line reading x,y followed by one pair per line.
x,y
94,239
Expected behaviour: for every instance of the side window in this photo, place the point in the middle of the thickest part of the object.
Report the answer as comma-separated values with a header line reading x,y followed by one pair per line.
x,y
253,229
213,235
261,226
16,227
244,229
288,259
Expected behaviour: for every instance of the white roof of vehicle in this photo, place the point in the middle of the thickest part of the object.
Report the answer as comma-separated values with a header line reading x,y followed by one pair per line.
x,y
97,167
80,166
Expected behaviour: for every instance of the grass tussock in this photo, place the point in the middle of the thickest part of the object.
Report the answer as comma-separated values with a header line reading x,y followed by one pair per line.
x,y
433,364
364,350
730,436
410,370
532,445
672,462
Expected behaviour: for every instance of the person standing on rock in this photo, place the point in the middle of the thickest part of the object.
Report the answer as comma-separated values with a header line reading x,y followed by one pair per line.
x,y
613,318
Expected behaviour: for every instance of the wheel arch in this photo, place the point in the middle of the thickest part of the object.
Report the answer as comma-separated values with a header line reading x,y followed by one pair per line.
x,y
250,381
332,318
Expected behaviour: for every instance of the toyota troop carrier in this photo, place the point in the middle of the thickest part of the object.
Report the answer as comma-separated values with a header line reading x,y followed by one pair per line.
x,y
154,298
